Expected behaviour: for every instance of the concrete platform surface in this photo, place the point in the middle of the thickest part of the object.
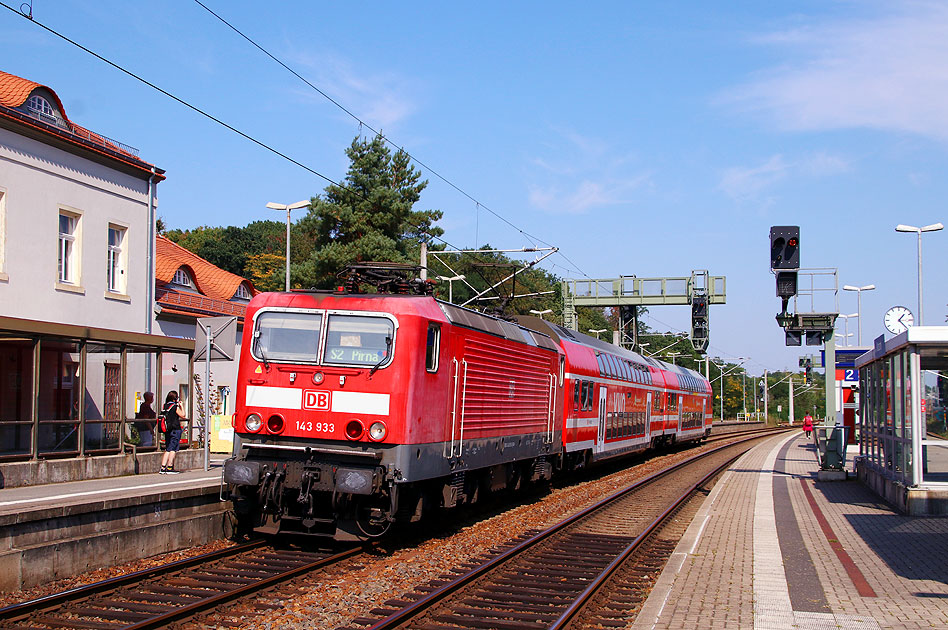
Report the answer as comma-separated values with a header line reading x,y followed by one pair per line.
x,y
58,530
773,548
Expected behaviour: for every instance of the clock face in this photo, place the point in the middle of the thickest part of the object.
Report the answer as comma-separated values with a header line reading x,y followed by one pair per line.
x,y
897,319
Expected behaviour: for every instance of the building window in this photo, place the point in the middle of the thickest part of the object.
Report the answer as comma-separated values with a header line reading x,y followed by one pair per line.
x,y
68,248
116,259
3,233
242,293
40,108
183,278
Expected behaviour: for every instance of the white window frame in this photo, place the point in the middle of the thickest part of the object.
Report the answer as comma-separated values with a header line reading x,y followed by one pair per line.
x,y
3,235
242,292
117,260
40,105
182,278
69,273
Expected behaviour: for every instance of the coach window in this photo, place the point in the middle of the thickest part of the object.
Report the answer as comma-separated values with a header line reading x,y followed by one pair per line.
x,y
577,392
432,347
602,364
562,369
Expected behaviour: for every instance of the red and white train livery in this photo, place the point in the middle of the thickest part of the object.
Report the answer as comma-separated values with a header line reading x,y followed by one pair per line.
x,y
356,411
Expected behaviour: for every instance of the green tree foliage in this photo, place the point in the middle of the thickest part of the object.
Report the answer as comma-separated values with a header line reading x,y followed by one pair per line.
x,y
370,218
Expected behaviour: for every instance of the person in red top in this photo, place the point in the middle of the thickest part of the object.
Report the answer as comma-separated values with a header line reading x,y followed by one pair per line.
x,y
808,424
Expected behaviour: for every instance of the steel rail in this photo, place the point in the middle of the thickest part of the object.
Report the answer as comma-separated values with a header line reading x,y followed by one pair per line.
x,y
189,610
25,608
436,596
580,602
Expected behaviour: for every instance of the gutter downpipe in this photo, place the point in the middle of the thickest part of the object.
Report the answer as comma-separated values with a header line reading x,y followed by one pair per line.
x,y
150,280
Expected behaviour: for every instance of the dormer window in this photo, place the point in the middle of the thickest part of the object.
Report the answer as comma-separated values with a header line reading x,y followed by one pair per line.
x,y
40,108
242,293
183,278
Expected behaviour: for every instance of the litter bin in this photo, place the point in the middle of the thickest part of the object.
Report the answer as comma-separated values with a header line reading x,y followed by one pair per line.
x,y
831,445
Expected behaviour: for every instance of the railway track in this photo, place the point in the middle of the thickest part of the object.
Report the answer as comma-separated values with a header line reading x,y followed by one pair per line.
x,y
171,593
155,598
591,570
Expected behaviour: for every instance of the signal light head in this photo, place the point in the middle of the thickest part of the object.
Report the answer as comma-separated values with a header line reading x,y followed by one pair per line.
x,y
792,242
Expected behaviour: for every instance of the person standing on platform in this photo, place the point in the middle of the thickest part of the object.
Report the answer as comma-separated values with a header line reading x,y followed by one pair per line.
x,y
808,424
146,413
172,413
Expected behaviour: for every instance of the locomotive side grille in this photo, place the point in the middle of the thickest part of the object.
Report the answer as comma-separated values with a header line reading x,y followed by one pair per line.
x,y
507,388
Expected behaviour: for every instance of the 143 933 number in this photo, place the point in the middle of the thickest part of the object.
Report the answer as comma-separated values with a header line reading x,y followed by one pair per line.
x,y
319,427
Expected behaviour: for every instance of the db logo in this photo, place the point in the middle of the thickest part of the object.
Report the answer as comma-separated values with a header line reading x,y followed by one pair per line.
x,y
318,400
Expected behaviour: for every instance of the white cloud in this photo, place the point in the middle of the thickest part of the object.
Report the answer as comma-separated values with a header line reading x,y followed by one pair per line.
x,y
582,175
888,72
750,182
381,99
742,182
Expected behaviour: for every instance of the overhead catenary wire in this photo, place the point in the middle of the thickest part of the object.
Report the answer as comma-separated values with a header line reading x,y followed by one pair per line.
x,y
362,123
175,98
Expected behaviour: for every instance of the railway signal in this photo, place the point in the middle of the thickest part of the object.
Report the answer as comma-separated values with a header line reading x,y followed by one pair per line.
x,y
699,322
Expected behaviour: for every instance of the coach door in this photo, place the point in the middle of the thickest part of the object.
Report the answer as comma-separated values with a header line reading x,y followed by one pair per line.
x,y
602,416
648,413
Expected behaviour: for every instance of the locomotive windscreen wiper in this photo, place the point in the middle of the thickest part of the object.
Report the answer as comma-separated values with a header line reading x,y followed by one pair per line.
x,y
388,348
259,349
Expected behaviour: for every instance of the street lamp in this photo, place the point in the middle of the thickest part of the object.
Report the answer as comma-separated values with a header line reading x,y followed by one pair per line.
x,y
859,290
450,280
672,356
540,314
292,206
596,331
934,227
846,318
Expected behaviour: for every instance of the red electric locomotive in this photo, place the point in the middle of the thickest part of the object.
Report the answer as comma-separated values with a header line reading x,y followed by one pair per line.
x,y
358,410
355,411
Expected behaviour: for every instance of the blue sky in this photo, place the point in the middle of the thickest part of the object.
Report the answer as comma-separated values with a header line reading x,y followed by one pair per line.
x,y
640,138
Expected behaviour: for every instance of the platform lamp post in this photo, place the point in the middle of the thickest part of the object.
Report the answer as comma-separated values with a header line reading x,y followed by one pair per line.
x,y
450,280
596,331
859,290
846,319
540,314
934,227
288,208
672,356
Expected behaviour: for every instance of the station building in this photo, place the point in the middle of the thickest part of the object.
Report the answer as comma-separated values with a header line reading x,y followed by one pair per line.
x,y
86,325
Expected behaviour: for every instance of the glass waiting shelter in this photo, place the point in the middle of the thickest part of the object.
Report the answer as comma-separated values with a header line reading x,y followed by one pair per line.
x,y
901,417
73,391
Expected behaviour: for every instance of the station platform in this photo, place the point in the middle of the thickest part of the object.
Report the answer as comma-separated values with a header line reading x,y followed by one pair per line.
x,y
52,531
772,548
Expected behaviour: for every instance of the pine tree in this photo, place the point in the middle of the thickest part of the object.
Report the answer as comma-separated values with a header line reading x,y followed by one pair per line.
x,y
370,218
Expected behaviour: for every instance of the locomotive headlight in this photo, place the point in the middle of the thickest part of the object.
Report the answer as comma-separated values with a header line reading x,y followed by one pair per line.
x,y
377,431
318,378
254,422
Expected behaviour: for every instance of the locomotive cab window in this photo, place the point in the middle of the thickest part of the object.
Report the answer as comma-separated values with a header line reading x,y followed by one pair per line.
x,y
432,347
359,340
286,336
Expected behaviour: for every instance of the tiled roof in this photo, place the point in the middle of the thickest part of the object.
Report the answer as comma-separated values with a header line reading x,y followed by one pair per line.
x,y
180,303
210,280
14,91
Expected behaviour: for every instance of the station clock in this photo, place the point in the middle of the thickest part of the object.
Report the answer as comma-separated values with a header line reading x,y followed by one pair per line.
x,y
897,319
